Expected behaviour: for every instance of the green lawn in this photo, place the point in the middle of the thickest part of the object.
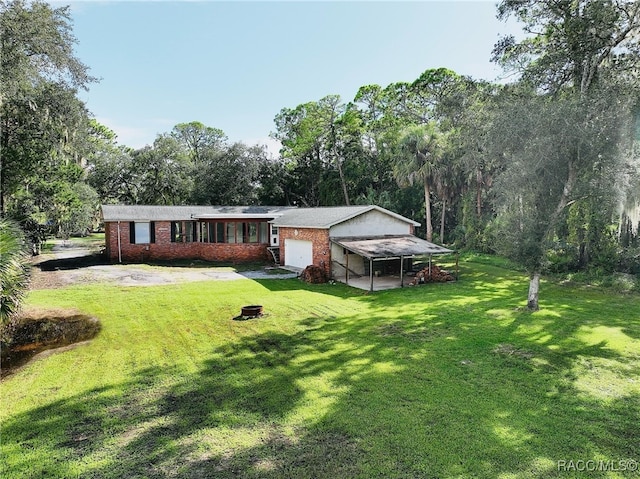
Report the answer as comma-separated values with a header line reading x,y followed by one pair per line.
x,y
438,381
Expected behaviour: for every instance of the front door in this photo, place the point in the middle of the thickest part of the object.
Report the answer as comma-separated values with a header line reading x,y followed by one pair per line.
x,y
275,239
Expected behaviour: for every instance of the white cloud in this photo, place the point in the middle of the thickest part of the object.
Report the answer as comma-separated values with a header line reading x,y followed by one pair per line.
x,y
136,136
273,145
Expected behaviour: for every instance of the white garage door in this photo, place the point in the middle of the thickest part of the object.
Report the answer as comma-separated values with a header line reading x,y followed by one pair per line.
x,y
298,253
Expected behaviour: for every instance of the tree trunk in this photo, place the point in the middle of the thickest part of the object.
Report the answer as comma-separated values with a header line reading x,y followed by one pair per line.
x,y
427,206
534,283
570,182
336,158
534,287
1,189
343,182
479,193
444,209
4,144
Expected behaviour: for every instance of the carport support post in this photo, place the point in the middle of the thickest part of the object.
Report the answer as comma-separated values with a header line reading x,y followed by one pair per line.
x,y
401,271
371,274
430,256
346,273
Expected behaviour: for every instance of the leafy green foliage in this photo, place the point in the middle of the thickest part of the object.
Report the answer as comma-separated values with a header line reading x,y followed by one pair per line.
x,y
579,54
420,159
44,126
161,173
75,210
571,43
316,134
14,274
228,177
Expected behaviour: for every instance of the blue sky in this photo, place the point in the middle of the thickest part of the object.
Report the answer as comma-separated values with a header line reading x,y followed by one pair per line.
x,y
235,65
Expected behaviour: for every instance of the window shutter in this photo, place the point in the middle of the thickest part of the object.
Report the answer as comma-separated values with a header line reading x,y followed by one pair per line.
x,y
152,233
173,231
132,232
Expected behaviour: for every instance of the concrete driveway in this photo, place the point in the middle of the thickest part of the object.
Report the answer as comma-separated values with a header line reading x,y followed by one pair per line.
x,y
69,263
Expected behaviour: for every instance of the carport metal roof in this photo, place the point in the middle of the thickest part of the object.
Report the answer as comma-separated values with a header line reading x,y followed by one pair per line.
x,y
381,248
387,247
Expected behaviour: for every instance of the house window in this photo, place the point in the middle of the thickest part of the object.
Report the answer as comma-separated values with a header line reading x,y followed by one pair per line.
x,y
191,231
219,232
252,232
142,232
223,232
177,232
204,232
184,231
240,232
231,233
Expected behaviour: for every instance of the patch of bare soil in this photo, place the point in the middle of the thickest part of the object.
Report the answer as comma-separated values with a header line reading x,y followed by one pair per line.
x,y
38,333
47,279
61,267
511,350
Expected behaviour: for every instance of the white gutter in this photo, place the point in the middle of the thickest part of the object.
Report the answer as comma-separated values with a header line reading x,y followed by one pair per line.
x,y
239,216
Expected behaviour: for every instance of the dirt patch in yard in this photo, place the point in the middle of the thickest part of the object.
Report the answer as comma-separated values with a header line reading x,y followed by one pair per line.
x,y
39,332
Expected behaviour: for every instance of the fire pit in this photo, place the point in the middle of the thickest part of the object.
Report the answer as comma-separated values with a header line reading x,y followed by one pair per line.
x,y
252,311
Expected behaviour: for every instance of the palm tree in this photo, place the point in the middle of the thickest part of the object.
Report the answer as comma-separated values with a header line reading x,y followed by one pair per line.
x,y
14,271
421,149
449,183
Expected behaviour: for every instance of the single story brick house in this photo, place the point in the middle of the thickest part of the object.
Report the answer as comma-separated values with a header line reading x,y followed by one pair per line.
x,y
140,233
343,240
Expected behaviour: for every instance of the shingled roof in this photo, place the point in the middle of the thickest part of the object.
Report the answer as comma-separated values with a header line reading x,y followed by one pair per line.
x,y
326,217
185,213
286,216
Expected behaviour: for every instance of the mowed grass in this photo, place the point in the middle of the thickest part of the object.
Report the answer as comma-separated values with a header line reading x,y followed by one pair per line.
x,y
437,381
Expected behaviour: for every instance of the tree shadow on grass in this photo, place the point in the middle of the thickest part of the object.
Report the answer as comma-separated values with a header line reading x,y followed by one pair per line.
x,y
367,395
77,262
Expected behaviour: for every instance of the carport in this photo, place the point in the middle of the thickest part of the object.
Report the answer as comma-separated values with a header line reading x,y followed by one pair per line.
x,y
387,248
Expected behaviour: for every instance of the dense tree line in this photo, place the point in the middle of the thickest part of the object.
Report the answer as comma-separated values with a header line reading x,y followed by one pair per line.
x,y
545,170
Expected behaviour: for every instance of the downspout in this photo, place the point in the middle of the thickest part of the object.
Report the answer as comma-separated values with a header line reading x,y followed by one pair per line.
x,y
119,245
401,271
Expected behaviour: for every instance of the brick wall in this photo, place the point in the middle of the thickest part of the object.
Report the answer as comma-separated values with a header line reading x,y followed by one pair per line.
x,y
319,238
164,249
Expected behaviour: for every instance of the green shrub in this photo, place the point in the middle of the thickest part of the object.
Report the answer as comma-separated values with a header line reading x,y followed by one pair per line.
x,y
14,273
